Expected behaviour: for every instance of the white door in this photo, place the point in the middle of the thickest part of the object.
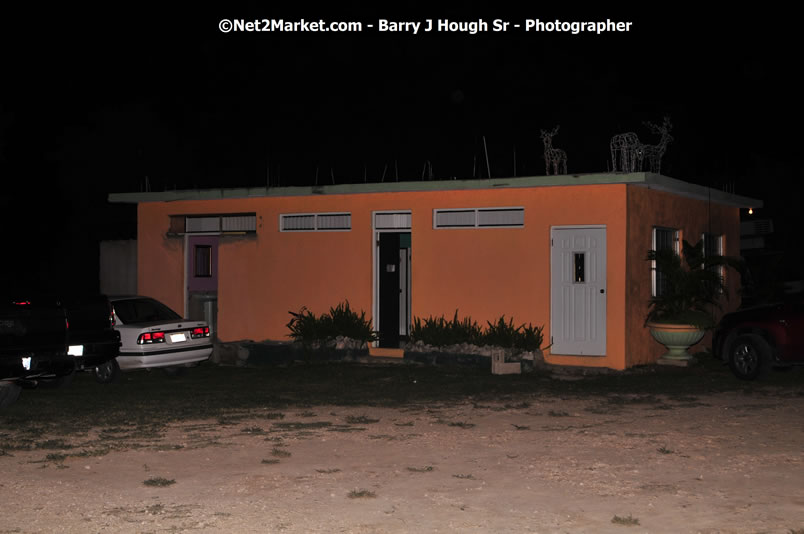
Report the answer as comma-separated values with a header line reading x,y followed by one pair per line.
x,y
578,291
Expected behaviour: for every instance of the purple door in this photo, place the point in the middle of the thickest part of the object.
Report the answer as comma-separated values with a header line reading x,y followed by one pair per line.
x,y
202,280
203,265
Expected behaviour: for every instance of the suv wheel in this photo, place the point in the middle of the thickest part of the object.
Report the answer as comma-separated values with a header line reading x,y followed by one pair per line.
x,y
107,372
749,356
9,391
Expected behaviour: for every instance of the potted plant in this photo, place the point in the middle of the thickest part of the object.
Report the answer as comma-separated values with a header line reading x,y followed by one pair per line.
x,y
689,289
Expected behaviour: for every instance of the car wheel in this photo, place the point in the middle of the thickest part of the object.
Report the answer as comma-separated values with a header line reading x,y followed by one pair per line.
x,y
173,372
9,391
107,372
749,356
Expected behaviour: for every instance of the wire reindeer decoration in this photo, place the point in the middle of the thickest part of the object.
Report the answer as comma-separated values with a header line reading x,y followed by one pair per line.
x,y
628,154
654,153
554,158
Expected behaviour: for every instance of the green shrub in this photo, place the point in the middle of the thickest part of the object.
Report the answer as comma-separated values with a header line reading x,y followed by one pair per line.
x,y
531,337
341,320
501,334
345,322
437,331
304,326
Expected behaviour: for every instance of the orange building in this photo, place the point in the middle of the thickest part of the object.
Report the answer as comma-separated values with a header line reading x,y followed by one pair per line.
x,y
567,252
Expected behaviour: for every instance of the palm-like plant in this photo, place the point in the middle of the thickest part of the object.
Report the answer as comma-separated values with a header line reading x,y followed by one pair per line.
x,y
691,288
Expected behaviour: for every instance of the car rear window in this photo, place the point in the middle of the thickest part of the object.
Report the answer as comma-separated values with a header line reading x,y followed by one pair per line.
x,y
143,311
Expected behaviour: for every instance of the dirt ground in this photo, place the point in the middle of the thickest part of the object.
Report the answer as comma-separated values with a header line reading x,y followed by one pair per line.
x,y
717,463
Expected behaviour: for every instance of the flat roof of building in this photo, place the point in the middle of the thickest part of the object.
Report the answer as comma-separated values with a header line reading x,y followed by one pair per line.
x,y
641,179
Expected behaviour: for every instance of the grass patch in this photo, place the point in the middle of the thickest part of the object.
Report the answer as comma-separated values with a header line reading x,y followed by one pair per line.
x,y
21,446
684,398
458,424
280,453
328,471
87,453
406,423
270,460
602,409
464,477
341,428
252,430
665,450
360,420
300,426
159,482
521,427
634,399
55,457
625,521
425,469
155,509
53,444
554,413
227,421
361,494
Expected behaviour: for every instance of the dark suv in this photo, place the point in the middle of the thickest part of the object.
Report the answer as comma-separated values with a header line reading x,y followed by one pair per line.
x,y
754,340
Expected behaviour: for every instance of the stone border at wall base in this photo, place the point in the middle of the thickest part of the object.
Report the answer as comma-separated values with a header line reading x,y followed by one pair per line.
x,y
267,353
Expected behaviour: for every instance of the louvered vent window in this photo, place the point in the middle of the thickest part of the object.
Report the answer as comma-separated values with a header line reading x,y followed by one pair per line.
x,y
313,222
455,219
203,224
240,223
479,218
392,220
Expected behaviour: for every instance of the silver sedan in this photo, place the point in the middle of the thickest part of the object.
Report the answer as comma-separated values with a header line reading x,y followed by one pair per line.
x,y
154,336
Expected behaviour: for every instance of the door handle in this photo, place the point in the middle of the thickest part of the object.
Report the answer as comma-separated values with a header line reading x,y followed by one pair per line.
x,y
602,290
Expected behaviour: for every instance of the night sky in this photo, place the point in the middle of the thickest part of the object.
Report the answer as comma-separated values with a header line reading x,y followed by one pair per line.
x,y
109,101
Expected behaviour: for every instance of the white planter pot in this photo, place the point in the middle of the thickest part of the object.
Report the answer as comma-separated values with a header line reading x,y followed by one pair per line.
x,y
677,338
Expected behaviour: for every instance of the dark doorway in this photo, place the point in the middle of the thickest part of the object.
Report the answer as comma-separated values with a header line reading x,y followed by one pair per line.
x,y
394,287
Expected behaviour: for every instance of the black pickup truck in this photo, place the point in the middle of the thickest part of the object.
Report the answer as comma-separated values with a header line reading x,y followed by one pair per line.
x,y
33,344
45,339
92,339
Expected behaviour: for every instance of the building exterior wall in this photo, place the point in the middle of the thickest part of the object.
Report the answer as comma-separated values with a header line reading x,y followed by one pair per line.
x,y
483,273
648,208
118,267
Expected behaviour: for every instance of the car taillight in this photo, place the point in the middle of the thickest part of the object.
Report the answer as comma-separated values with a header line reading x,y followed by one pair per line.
x,y
111,316
200,332
151,337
